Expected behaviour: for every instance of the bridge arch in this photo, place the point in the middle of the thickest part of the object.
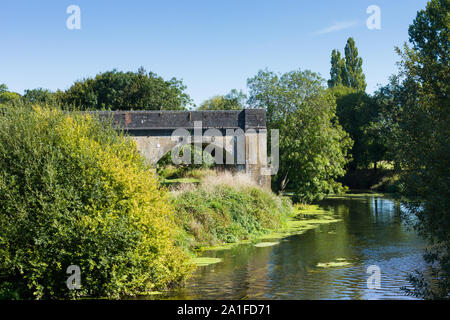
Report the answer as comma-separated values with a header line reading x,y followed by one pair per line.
x,y
155,133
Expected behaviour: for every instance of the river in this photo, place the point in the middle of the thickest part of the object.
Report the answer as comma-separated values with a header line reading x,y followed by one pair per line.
x,y
328,262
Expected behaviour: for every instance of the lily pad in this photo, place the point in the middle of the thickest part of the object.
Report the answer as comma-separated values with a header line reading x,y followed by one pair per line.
x,y
205,261
266,244
333,264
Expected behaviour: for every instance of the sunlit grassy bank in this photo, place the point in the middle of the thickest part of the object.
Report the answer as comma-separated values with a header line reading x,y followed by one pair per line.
x,y
298,220
227,208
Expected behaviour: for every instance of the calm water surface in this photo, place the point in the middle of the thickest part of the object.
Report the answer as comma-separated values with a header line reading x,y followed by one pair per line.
x,y
370,233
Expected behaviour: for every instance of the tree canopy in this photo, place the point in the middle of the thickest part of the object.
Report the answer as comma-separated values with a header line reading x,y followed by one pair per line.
x,y
234,100
416,115
313,146
337,71
358,114
42,96
347,71
356,110
116,90
8,96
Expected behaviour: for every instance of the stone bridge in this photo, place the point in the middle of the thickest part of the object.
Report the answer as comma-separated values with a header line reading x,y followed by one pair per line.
x,y
240,136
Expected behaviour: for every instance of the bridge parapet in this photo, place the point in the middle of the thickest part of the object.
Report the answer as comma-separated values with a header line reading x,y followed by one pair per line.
x,y
170,120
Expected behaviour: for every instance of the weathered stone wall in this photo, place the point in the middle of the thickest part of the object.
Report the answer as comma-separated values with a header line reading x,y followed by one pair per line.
x,y
163,120
153,133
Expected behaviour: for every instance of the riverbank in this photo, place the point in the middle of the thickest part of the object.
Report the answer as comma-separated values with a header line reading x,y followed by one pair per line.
x,y
301,219
222,211
225,208
328,261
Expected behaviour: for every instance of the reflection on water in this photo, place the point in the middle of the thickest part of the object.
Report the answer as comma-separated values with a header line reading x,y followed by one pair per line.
x,y
370,233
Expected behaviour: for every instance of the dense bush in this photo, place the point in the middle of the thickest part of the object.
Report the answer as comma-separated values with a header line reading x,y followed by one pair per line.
x,y
228,211
74,192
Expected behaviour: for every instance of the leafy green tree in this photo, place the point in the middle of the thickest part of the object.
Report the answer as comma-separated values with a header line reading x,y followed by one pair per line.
x,y
313,146
234,100
338,71
390,100
358,114
417,111
128,91
347,71
8,96
354,77
40,96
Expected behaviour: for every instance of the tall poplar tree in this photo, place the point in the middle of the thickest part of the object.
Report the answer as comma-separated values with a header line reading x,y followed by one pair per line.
x,y
338,70
347,71
353,65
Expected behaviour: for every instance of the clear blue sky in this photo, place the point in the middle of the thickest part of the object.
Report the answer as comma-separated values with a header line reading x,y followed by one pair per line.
x,y
213,45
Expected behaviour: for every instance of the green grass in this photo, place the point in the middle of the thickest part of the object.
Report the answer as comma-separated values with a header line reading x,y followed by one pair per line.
x,y
222,214
181,180
207,218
